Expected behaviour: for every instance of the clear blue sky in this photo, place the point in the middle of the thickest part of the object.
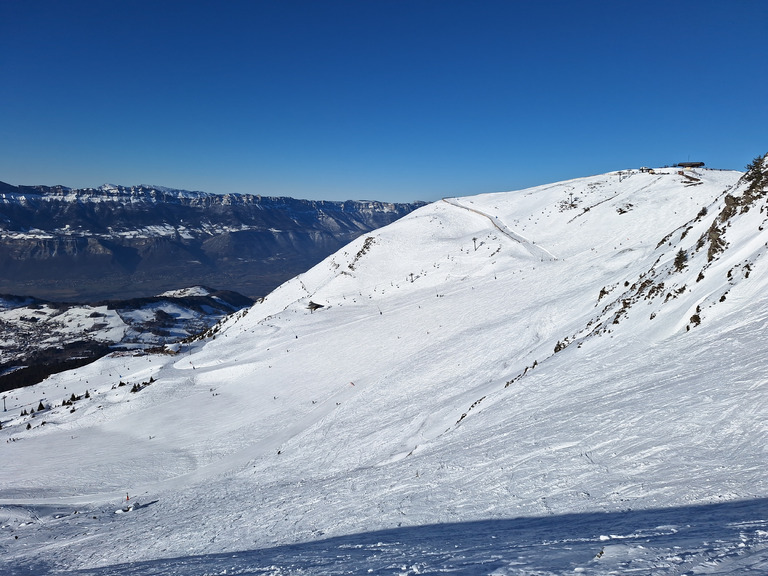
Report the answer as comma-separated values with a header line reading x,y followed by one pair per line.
x,y
375,99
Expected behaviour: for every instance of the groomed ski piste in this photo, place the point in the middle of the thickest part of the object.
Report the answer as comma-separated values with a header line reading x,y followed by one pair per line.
x,y
565,379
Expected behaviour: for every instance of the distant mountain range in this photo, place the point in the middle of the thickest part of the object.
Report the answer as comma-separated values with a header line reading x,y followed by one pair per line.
x,y
118,242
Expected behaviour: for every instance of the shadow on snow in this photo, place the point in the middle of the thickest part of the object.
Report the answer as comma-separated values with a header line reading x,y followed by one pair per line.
x,y
659,540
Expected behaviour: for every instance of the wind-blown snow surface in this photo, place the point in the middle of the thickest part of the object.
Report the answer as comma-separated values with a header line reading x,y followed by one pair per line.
x,y
421,422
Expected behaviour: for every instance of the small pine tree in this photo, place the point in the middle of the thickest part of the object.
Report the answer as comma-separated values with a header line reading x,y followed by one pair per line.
x,y
29,426
680,259
87,394
40,407
755,173
695,320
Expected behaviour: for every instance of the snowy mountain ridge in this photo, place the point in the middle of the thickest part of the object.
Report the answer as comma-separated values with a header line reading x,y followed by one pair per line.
x,y
113,193
568,378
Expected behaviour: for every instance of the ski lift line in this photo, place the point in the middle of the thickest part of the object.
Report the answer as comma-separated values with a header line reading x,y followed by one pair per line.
x,y
588,208
533,249
658,178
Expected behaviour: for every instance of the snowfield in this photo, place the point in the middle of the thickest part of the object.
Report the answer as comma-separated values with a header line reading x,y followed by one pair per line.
x,y
565,379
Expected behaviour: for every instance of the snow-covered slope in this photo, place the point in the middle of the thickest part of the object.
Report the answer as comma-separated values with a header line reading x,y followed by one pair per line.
x,y
566,378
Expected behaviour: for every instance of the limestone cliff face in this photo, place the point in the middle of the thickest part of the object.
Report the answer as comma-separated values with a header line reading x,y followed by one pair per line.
x,y
122,242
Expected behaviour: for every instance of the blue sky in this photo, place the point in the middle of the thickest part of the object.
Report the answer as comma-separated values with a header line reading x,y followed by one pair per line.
x,y
392,100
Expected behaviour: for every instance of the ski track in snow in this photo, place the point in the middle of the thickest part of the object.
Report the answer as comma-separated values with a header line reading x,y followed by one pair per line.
x,y
535,251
